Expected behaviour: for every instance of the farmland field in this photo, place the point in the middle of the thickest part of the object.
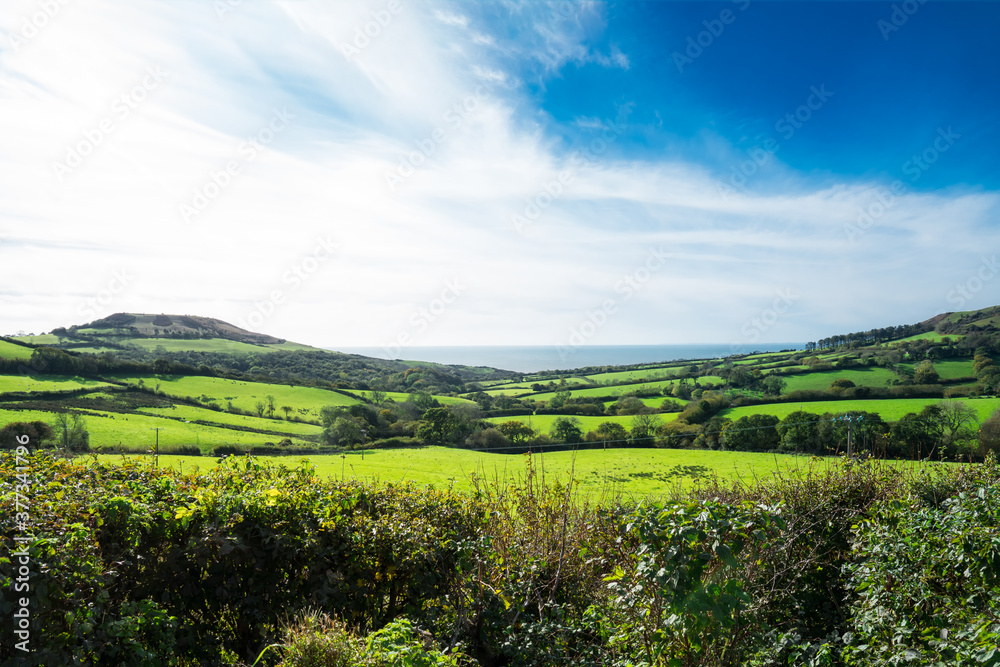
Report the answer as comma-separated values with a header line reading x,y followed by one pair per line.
x,y
640,374
543,423
306,401
870,377
621,390
12,351
41,339
950,369
136,431
191,413
889,409
12,383
401,397
633,474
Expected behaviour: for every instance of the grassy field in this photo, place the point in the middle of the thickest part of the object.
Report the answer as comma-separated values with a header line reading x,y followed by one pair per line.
x,y
306,401
12,351
631,474
191,413
134,430
401,397
889,409
621,390
41,339
614,377
11,383
543,423
950,369
820,380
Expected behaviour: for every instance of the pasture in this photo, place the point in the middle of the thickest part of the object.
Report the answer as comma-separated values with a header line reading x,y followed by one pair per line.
x,y
110,429
890,409
599,475
11,351
543,423
305,401
37,382
820,380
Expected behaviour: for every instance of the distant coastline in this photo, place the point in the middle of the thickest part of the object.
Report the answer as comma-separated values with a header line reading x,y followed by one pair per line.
x,y
531,358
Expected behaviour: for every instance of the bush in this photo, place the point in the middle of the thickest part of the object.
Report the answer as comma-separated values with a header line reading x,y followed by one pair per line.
x,y
182,450
315,639
929,582
228,450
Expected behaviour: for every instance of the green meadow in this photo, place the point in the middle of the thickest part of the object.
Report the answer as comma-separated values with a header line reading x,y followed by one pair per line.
x,y
38,382
543,423
889,409
12,351
631,474
306,401
820,380
110,429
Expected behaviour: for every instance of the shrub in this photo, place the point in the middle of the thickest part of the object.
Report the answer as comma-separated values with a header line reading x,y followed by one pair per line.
x,y
182,450
228,450
315,639
929,582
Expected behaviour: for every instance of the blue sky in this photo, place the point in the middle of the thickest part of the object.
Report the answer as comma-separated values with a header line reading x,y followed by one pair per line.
x,y
397,173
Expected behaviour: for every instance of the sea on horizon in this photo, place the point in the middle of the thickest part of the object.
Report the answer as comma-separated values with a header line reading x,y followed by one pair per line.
x,y
533,358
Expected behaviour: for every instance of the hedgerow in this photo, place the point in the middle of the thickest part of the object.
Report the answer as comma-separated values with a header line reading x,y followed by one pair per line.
x,y
252,563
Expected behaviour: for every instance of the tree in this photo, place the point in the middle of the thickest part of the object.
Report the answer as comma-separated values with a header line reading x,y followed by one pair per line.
x,y
377,392
924,373
559,399
287,409
989,436
567,429
515,431
260,406
644,429
628,405
270,405
609,432
772,385
73,430
343,432
437,426
798,433
490,438
841,384
753,433
423,401
914,436
959,425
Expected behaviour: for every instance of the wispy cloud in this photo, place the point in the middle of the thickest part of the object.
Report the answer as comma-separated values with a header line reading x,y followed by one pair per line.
x,y
415,87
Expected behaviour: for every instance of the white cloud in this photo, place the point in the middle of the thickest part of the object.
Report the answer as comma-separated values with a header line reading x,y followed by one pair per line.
x,y
406,97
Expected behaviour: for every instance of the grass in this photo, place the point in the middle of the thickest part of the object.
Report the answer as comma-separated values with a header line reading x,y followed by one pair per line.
x,y
307,401
820,380
951,369
191,413
402,397
633,474
891,409
136,430
614,377
41,339
12,351
543,423
36,382
621,390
